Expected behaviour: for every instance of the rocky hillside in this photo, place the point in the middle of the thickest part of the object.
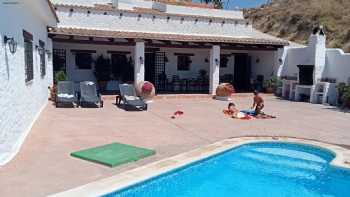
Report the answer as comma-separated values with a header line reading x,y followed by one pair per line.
x,y
294,20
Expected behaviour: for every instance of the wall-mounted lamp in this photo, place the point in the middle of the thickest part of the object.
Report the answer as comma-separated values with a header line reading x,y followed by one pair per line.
x,y
11,43
41,50
141,59
280,60
48,52
217,61
206,60
257,60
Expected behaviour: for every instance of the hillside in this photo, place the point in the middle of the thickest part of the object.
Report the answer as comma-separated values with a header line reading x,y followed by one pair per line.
x,y
294,20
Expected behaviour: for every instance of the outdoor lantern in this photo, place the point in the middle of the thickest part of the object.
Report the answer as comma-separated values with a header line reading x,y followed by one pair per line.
x,y
41,51
216,61
11,43
141,59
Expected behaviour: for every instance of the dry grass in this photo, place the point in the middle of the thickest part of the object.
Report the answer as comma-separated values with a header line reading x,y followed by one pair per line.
x,y
294,20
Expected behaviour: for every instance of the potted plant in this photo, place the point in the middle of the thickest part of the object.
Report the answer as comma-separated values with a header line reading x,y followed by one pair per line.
x,y
224,91
270,85
58,76
146,90
102,71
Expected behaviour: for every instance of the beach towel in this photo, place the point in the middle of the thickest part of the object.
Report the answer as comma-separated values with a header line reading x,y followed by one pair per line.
x,y
257,116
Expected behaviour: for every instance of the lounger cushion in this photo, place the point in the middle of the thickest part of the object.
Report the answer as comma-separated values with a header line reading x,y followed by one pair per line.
x,y
65,95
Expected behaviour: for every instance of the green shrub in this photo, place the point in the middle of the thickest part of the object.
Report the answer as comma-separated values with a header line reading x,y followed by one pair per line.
x,y
343,94
60,76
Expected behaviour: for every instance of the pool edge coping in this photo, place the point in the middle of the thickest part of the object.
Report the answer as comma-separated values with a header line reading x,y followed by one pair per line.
x,y
154,169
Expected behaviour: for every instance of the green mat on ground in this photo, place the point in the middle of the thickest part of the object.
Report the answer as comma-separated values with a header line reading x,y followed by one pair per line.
x,y
113,154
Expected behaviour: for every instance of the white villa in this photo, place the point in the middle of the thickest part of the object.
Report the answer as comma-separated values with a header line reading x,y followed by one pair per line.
x,y
178,46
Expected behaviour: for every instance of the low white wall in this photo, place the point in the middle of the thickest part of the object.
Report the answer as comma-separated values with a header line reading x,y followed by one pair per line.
x,y
338,65
266,64
20,102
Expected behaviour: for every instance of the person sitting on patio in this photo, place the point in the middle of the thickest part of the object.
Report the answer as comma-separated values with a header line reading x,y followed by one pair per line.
x,y
258,103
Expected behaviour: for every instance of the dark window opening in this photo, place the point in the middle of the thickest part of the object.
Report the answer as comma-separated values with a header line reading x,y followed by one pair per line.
x,y
83,60
28,56
59,60
42,58
223,61
183,62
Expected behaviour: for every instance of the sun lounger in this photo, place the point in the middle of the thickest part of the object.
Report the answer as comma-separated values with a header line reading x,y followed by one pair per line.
x,y
89,95
66,94
129,99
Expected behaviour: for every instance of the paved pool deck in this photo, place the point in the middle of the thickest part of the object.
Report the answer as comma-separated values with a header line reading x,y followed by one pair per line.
x,y
44,166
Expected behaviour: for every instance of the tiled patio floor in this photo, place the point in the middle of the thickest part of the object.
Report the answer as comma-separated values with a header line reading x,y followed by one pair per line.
x,y
44,166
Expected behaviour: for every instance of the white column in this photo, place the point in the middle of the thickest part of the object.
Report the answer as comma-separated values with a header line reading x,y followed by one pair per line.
x,y
214,68
139,62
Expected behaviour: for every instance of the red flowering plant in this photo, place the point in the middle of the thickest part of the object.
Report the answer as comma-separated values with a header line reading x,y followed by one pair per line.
x,y
147,87
146,90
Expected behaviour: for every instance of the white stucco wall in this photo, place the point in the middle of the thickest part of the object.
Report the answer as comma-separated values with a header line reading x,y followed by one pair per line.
x,y
265,66
173,9
329,63
338,65
20,102
79,18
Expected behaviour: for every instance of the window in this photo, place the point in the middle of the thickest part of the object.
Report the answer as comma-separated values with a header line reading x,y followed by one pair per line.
x,y
42,58
59,60
183,62
83,60
223,61
28,56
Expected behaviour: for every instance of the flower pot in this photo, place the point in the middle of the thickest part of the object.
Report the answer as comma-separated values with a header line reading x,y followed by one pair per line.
x,y
146,90
102,85
269,90
224,91
53,92
347,103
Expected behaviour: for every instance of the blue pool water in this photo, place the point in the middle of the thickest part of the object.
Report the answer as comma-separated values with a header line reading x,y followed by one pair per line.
x,y
265,169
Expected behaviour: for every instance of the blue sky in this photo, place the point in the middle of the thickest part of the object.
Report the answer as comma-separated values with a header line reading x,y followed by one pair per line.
x,y
230,4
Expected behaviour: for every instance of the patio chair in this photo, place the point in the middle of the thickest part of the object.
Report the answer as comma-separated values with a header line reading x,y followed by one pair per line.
x,y
66,94
89,95
129,99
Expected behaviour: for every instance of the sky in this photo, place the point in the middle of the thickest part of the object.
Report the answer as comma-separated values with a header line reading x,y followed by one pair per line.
x,y
231,4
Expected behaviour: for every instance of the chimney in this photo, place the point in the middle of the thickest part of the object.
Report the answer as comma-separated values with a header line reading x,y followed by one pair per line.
x,y
115,3
317,47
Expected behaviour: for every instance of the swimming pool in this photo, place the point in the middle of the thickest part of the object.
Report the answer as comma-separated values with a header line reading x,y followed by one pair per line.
x,y
270,169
